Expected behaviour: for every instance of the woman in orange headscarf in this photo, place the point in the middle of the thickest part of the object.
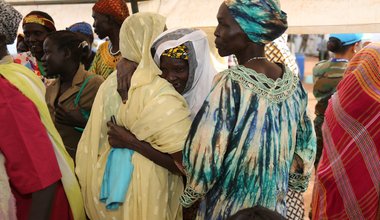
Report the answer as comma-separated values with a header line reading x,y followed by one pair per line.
x,y
108,16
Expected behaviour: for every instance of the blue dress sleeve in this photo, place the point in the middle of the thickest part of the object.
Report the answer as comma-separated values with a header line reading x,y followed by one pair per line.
x,y
305,151
209,138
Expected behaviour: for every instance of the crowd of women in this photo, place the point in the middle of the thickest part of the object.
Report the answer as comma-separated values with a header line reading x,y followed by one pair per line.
x,y
147,129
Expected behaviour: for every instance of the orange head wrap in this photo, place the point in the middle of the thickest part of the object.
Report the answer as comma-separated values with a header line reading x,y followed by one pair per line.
x,y
116,8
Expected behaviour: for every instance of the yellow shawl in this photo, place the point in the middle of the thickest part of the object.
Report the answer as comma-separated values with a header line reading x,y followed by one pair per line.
x,y
33,88
154,112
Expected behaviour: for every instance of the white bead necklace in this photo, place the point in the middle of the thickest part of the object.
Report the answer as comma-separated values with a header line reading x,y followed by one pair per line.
x,y
256,58
110,50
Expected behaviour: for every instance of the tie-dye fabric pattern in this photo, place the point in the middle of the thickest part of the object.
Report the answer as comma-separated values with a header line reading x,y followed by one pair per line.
x,y
242,142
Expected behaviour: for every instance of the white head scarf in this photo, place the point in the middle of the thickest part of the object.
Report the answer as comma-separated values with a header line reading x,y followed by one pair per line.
x,y
201,70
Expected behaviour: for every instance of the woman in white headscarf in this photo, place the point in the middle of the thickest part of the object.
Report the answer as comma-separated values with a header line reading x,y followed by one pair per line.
x,y
183,55
200,72
155,113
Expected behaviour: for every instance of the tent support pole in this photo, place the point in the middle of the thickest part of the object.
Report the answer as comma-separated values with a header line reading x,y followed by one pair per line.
x,y
135,7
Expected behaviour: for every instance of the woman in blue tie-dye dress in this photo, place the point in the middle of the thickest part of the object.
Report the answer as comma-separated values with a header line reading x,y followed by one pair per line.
x,y
252,139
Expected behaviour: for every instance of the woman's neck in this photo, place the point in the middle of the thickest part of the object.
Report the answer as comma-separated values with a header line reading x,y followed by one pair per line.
x,y
341,56
253,57
114,38
249,53
68,74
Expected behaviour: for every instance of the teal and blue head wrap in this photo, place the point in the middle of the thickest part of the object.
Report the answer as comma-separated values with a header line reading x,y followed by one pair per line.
x,y
262,20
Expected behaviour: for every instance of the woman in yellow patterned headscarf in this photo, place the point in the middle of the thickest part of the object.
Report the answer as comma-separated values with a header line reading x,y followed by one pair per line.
x,y
179,52
155,113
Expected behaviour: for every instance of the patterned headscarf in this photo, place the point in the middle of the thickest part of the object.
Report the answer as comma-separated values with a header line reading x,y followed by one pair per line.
x,y
201,69
365,66
37,17
81,27
262,20
179,52
116,8
9,20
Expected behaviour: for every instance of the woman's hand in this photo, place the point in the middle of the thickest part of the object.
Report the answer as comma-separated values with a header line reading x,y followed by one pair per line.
x,y
297,165
119,137
73,118
125,69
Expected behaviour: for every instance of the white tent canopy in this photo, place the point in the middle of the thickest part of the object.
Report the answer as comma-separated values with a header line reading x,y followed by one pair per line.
x,y
332,16
304,16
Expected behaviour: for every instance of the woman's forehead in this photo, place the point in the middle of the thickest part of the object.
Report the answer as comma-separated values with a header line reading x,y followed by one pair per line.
x,y
30,27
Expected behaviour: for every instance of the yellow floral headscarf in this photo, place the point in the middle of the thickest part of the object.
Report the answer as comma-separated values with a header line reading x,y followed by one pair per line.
x,y
179,52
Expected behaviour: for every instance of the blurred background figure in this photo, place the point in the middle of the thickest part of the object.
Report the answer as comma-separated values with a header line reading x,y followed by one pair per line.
x,y
323,52
21,45
305,38
86,30
328,73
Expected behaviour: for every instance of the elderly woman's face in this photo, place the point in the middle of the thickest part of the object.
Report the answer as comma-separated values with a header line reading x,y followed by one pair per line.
x,y
175,71
230,38
35,35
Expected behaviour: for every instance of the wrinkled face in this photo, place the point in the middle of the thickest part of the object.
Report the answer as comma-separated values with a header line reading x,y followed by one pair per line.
x,y
35,35
101,24
230,38
175,71
53,59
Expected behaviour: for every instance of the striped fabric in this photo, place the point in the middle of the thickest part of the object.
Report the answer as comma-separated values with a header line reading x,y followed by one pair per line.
x,y
347,183
366,68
